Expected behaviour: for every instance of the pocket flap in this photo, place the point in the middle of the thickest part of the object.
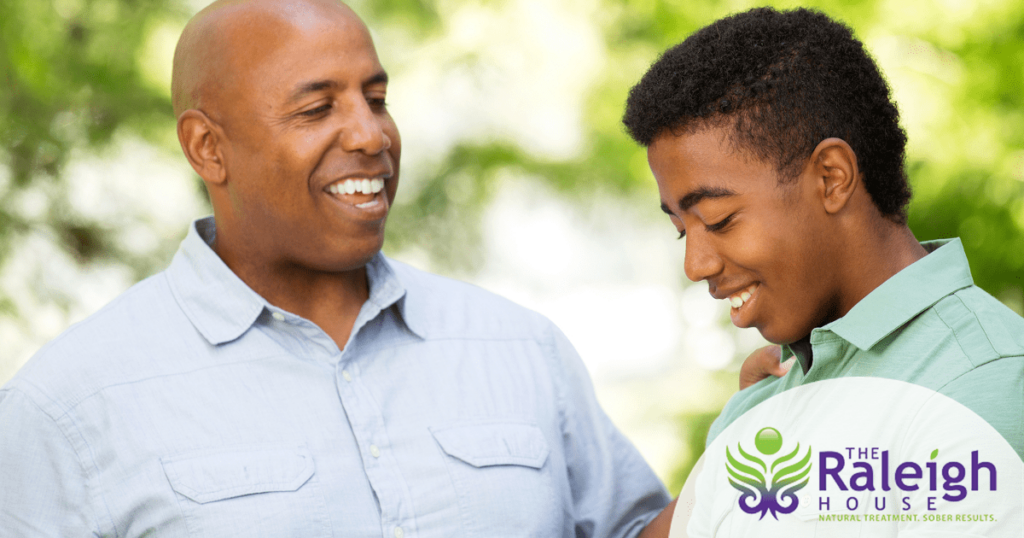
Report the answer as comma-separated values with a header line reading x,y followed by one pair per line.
x,y
213,475
494,443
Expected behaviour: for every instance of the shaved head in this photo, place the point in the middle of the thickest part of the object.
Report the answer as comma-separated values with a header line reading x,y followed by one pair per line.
x,y
220,41
281,108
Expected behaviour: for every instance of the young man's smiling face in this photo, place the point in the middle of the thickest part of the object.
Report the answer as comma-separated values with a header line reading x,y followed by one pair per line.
x,y
764,246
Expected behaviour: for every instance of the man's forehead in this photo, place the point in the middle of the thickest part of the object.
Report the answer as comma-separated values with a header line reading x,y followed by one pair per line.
x,y
231,40
244,23
297,12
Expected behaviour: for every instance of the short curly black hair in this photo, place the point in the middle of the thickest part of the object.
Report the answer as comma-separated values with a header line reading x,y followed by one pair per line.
x,y
785,81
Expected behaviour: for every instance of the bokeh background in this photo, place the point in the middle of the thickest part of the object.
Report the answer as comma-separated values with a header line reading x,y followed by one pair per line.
x,y
517,175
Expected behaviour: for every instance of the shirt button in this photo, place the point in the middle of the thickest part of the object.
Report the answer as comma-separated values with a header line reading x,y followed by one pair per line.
x,y
278,316
399,533
374,451
346,375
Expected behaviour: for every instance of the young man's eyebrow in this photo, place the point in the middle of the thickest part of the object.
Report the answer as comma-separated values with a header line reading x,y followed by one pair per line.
x,y
695,196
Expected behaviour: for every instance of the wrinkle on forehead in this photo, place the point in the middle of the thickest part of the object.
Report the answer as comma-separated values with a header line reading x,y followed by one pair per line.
x,y
221,41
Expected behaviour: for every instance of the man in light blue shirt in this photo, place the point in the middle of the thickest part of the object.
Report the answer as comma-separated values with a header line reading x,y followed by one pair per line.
x,y
282,378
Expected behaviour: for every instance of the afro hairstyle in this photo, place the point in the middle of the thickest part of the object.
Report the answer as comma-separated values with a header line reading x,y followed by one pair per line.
x,y
784,81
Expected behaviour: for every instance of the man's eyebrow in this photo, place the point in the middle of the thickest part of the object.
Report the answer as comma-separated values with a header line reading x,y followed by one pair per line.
x,y
695,196
380,77
311,87
306,88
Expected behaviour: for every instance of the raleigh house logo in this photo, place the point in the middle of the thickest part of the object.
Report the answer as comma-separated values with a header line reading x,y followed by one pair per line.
x,y
769,484
768,487
878,456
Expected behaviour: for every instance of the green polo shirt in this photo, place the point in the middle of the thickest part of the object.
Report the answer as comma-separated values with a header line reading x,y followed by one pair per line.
x,y
929,325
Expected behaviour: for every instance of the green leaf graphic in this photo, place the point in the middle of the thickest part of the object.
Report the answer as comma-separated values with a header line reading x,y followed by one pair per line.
x,y
736,467
785,458
752,458
935,453
793,473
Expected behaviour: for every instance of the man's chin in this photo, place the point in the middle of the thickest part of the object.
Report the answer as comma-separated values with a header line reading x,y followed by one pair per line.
x,y
353,255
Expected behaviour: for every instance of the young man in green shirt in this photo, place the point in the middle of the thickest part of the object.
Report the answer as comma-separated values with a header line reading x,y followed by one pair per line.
x,y
779,158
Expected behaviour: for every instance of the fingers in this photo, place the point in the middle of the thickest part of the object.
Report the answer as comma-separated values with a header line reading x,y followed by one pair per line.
x,y
762,363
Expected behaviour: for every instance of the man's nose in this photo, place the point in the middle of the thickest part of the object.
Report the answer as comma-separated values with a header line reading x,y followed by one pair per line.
x,y
701,260
364,131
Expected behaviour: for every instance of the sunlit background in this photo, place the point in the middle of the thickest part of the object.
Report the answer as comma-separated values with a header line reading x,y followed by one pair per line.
x,y
516,176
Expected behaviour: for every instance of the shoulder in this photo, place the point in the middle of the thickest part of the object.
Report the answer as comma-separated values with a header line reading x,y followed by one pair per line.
x,y
139,328
991,337
450,308
961,331
982,324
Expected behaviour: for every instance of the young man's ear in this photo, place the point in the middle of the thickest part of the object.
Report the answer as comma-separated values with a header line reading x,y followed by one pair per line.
x,y
201,139
834,164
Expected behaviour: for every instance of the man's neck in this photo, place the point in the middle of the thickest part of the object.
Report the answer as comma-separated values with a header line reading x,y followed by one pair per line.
x,y
331,300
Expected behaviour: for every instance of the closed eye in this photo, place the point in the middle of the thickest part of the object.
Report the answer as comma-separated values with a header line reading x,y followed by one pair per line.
x,y
718,226
315,111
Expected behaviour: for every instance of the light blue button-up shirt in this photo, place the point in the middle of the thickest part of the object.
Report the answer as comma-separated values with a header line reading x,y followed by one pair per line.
x,y
189,406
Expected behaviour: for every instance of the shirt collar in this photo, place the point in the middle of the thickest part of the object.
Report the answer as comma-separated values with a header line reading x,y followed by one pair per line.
x,y
222,307
905,295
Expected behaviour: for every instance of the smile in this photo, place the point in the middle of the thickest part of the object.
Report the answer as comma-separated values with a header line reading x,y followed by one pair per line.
x,y
737,300
360,198
352,186
354,191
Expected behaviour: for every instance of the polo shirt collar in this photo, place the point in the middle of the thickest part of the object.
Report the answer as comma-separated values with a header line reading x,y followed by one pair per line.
x,y
222,307
905,295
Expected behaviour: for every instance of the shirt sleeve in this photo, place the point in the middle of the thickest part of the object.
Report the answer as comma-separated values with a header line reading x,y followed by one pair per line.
x,y
42,483
614,492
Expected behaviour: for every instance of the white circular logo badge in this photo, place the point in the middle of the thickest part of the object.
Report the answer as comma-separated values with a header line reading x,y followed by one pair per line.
x,y
856,456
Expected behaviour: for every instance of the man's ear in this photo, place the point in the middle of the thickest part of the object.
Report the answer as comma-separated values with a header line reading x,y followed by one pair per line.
x,y
201,140
834,165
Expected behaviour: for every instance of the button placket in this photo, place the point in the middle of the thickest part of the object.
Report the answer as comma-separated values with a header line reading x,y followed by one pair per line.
x,y
368,427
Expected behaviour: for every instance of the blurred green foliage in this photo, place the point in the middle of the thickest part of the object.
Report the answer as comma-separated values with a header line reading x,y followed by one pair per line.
x,y
75,73
72,77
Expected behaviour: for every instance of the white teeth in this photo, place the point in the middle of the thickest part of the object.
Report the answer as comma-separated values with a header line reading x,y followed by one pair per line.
x,y
740,298
371,203
352,186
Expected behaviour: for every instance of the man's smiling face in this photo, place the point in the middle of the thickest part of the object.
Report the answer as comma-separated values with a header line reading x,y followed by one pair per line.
x,y
312,154
762,245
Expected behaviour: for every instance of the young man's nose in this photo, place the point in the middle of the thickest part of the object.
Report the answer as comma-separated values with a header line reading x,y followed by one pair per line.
x,y
701,261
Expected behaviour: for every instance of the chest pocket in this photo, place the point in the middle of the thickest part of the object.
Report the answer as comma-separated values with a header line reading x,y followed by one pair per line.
x,y
253,491
501,477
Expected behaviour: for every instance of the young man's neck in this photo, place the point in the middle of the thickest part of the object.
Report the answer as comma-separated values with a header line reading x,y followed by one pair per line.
x,y
875,254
